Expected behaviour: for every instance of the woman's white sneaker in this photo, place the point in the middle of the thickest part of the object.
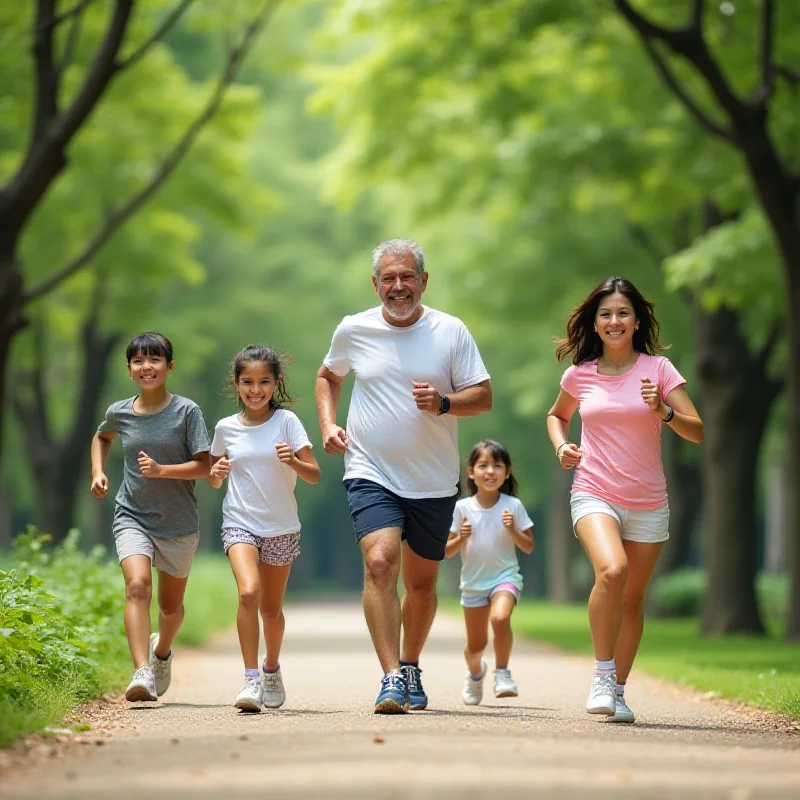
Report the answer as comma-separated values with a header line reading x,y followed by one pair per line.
x,y
602,694
142,687
504,685
162,668
249,698
473,689
622,712
272,689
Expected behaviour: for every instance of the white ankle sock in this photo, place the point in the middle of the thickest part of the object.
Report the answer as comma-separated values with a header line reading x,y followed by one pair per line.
x,y
605,666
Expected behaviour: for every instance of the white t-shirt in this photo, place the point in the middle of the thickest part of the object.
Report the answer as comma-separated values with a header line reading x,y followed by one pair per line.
x,y
412,453
260,496
489,556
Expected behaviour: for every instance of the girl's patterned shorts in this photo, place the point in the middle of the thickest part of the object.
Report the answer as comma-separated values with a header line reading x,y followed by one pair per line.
x,y
275,550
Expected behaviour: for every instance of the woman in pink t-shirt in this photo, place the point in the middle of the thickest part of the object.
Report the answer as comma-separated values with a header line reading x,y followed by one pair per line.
x,y
625,393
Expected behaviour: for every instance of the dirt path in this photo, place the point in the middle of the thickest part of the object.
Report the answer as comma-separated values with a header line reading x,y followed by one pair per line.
x,y
326,742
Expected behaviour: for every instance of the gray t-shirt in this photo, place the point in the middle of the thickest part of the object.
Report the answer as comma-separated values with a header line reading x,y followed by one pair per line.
x,y
162,507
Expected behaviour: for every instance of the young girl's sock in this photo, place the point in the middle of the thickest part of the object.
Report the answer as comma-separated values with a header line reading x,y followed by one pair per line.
x,y
621,689
251,673
269,671
605,666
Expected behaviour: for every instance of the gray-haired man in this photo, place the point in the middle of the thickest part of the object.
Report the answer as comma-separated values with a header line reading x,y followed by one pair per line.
x,y
416,369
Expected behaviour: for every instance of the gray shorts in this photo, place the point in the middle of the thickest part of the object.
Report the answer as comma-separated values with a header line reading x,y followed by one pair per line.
x,y
277,551
636,525
173,556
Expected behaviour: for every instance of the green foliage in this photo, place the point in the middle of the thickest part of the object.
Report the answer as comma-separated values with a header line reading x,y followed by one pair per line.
x,y
61,633
681,593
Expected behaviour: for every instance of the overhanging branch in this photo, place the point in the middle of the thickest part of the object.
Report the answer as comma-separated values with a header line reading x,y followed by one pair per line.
x,y
46,102
72,38
157,35
680,92
117,218
767,71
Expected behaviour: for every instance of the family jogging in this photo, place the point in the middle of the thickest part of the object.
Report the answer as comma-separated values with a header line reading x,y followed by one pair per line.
x,y
416,370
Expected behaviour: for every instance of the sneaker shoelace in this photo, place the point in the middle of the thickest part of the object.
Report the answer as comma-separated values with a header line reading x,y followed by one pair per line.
x,y
393,680
272,681
604,684
143,673
414,679
251,684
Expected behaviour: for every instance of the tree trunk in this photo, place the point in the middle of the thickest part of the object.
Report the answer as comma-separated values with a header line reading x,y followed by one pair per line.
x,y
560,540
776,552
793,477
12,320
737,395
685,487
59,468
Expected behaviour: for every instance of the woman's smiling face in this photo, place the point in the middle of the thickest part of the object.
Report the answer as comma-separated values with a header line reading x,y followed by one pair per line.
x,y
615,321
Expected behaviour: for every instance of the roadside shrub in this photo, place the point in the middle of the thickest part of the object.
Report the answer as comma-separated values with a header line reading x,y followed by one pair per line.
x,y
680,594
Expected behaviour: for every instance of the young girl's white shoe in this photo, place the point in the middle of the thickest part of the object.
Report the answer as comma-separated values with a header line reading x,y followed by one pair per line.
x,y
249,698
622,712
602,694
473,689
162,668
272,691
142,687
504,685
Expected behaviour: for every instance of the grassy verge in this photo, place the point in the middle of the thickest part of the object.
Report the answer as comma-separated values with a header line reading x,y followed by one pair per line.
x,y
760,671
62,640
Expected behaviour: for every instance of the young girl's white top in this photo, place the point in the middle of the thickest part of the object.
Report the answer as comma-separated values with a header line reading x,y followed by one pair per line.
x,y
260,496
489,555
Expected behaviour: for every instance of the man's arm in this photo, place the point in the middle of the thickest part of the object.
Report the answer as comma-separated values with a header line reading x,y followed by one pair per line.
x,y
328,391
468,402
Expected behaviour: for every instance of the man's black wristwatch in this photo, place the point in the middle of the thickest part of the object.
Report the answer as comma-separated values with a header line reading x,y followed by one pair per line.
x,y
444,405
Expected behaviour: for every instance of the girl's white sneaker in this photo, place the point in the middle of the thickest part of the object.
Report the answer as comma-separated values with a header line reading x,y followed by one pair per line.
x,y
272,689
249,698
622,712
504,685
602,695
473,689
142,687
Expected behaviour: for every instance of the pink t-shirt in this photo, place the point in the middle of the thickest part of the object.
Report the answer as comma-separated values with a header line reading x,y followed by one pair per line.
x,y
621,435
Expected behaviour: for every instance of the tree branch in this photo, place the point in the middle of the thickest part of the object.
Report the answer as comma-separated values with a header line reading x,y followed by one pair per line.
x,y
72,38
788,74
767,80
78,8
680,92
698,11
645,241
159,34
646,28
46,102
117,218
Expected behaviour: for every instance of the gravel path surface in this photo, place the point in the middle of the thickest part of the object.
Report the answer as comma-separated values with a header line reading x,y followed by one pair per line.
x,y
326,742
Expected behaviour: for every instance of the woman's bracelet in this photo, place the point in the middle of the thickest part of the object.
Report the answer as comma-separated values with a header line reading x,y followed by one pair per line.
x,y
563,444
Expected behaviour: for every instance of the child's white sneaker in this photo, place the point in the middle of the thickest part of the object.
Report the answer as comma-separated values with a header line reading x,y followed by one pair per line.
x,y
602,694
249,698
142,687
162,669
272,689
504,685
622,712
473,689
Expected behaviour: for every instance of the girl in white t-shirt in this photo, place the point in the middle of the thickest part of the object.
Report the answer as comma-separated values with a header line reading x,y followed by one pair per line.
x,y
261,450
487,528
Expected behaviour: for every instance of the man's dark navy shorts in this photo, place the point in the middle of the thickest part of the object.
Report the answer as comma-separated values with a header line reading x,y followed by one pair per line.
x,y
425,521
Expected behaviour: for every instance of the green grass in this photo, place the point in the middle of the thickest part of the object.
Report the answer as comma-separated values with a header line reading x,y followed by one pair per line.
x,y
760,671
62,640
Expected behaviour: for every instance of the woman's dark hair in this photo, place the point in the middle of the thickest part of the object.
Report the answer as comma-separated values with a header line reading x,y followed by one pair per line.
x,y
275,361
151,343
583,342
498,453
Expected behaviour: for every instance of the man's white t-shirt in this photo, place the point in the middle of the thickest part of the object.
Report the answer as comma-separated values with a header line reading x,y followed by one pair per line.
x,y
489,555
260,496
412,453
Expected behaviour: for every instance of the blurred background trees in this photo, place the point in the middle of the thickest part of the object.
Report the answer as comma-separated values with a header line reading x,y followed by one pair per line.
x,y
533,148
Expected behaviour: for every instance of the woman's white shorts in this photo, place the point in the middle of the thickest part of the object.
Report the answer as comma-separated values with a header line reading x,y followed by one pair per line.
x,y
636,524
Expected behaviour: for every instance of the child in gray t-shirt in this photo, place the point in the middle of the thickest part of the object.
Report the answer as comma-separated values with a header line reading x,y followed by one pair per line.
x,y
165,448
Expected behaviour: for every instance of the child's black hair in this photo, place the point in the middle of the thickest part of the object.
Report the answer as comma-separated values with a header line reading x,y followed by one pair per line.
x,y
498,453
151,343
275,361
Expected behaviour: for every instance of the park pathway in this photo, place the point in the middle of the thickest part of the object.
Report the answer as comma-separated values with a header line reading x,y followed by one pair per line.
x,y
326,743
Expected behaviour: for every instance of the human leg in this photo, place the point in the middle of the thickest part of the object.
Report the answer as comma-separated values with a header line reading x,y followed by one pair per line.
x,y
476,619
419,601
137,572
244,559
502,606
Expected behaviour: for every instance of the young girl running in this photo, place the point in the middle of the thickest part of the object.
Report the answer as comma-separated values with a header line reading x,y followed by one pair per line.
x,y
487,528
165,449
261,450
625,393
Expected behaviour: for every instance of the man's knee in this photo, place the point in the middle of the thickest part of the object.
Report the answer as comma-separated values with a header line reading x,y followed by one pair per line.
x,y
381,567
